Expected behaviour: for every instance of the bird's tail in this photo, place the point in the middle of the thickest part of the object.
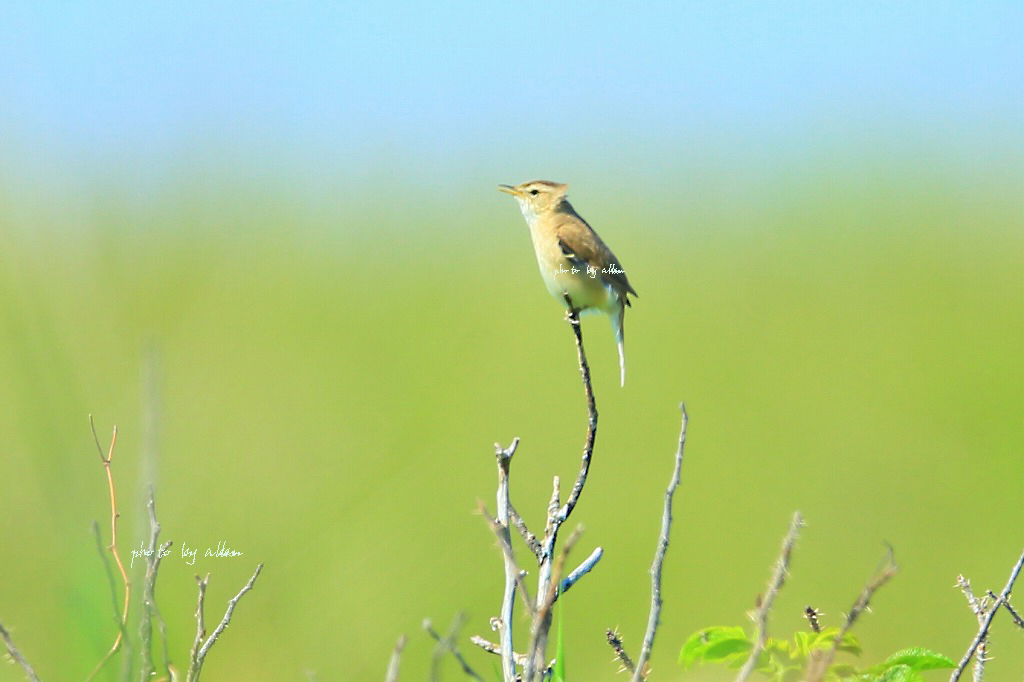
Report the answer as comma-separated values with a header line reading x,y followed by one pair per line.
x,y
617,320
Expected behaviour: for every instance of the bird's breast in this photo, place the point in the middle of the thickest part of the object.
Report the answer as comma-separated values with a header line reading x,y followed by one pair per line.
x,y
584,284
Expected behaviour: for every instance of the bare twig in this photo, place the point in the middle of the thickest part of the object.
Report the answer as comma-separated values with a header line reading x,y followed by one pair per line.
x,y
985,624
447,644
548,582
542,618
15,655
551,527
396,657
529,538
199,652
102,551
820,662
492,648
760,615
509,556
161,624
197,643
546,587
585,566
154,554
641,670
588,445
547,552
512,572
615,641
980,608
886,572
973,602
981,657
121,638
226,620
1017,620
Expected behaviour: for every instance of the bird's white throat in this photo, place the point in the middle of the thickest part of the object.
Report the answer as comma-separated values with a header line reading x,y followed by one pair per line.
x,y
528,212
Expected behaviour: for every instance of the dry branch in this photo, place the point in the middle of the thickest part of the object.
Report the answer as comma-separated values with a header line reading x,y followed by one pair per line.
x,y
615,641
154,554
512,573
529,538
396,657
588,389
15,655
764,608
986,623
819,664
492,648
122,617
447,644
640,671
550,582
585,566
201,648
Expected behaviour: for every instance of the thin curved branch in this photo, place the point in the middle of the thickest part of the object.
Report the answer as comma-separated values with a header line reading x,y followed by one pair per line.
x,y
588,389
641,668
396,657
122,638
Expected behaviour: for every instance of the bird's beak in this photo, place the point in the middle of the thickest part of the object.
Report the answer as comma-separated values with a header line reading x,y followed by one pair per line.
x,y
509,189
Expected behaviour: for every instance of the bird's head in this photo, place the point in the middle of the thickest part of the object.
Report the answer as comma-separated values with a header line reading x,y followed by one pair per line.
x,y
537,196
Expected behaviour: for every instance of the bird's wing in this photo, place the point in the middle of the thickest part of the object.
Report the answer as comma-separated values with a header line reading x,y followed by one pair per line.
x,y
586,248
578,259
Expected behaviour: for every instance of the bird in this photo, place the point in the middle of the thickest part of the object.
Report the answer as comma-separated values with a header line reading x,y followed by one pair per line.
x,y
573,261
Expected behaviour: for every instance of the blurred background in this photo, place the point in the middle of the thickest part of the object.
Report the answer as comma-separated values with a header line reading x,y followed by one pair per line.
x,y
266,243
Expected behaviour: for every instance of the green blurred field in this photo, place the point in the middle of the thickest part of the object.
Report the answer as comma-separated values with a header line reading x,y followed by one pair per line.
x,y
328,374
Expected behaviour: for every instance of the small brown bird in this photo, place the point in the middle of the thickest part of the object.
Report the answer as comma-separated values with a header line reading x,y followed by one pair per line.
x,y
573,260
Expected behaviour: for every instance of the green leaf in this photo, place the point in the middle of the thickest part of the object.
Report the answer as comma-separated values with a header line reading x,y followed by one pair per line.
x,y
825,638
693,647
803,641
900,673
724,648
918,658
714,644
737,660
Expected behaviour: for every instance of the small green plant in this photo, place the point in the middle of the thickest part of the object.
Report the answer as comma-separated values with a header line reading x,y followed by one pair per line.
x,y
785,660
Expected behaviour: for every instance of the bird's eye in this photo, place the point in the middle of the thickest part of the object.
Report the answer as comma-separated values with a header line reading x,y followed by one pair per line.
x,y
534,192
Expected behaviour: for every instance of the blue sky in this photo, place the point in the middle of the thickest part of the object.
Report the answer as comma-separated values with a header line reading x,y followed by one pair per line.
x,y
144,79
